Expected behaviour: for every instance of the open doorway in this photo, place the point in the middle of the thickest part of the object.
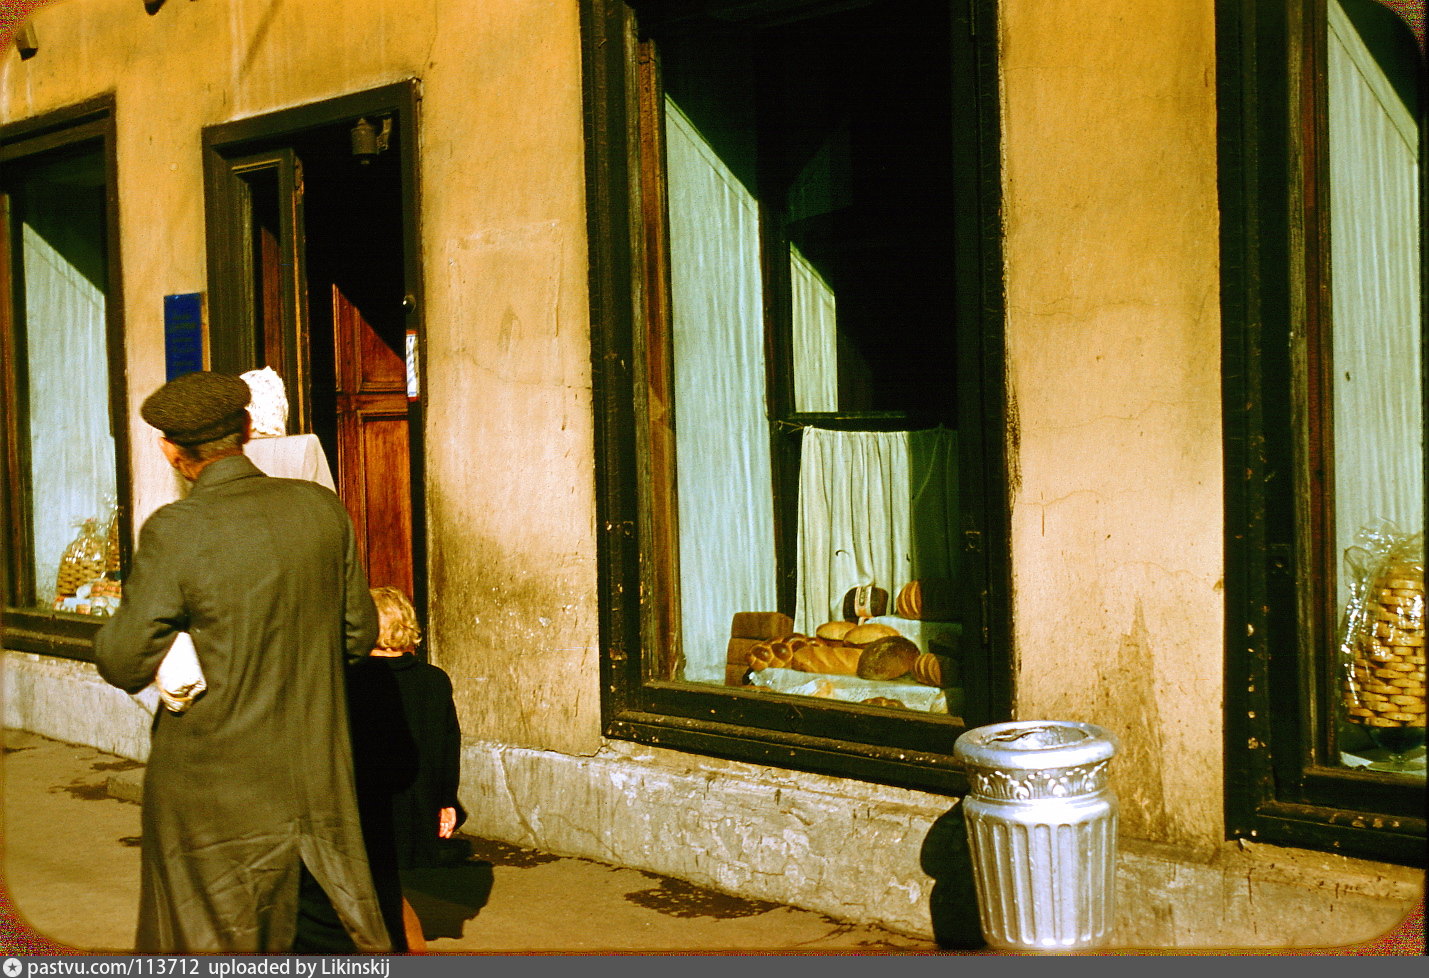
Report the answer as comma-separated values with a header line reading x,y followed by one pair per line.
x,y
312,271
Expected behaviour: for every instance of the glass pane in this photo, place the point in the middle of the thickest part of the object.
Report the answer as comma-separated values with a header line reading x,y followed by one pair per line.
x,y
60,221
1377,344
825,142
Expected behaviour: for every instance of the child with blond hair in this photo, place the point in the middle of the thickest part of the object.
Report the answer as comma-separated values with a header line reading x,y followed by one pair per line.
x,y
406,749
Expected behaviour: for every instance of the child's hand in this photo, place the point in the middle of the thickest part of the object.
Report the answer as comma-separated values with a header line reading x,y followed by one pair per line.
x,y
446,823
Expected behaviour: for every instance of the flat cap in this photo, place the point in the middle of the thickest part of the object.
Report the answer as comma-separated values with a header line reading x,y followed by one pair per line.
x,y
198,407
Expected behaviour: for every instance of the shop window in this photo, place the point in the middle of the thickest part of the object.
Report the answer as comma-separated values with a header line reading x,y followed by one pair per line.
x,y
1324,174
65,454
803,418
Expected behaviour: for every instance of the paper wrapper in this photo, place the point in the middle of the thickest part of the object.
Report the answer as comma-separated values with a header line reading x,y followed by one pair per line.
x,y
179,681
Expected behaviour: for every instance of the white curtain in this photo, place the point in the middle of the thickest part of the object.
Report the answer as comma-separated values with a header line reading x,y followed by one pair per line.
x,y
71,449
722,439
875,507
815,327
1375,262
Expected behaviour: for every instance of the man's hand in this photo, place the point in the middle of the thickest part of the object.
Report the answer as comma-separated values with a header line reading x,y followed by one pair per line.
x,y
446,823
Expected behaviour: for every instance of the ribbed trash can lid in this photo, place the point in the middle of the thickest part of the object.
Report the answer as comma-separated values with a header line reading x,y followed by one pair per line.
x,y
1032,745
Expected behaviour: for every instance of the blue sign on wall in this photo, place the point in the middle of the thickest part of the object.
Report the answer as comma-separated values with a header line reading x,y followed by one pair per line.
x,y
183,334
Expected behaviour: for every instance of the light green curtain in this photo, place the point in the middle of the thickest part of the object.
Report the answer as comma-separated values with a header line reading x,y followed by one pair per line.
x,y
723,467
815,328
71,448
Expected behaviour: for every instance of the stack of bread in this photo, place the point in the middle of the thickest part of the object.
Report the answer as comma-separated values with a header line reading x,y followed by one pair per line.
x,y
1384,686
83,561
748,630
843,648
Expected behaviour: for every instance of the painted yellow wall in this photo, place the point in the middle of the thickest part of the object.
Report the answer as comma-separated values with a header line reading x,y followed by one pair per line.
x,y
1113,342
511,514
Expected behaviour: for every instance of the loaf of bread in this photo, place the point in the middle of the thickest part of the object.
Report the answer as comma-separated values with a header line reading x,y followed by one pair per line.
x,y
865,601
885,702
737,652
930,599
887,658
871,632
760,625
828,659
773,654
777,653
833,632
935,670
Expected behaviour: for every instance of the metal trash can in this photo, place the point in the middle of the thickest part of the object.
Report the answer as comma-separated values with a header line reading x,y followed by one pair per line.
x,y
1041,822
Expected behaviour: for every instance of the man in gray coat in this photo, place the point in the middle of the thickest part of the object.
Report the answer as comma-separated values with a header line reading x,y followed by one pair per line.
x,y
251,839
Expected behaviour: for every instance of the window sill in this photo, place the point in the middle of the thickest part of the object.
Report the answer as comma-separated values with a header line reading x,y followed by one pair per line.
x,y
56,633
897,767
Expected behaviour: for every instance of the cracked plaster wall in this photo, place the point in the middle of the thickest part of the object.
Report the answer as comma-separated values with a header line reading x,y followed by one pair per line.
x,y
511,500
1114,349
858,852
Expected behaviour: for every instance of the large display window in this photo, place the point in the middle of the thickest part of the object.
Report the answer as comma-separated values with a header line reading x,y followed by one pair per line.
x,y
1323,137
65,456
809,328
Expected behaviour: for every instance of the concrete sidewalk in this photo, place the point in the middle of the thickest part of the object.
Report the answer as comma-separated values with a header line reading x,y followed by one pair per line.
x,y
70,863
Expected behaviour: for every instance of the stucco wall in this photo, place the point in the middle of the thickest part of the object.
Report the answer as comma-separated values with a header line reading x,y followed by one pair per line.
x,y
508,450
1113,366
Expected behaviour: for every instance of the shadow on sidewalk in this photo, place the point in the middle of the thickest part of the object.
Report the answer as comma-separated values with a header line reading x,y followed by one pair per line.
x,y
446,898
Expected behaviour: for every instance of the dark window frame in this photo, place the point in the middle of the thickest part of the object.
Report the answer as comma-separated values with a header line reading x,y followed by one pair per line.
x,y
1280,620
59,633
843,740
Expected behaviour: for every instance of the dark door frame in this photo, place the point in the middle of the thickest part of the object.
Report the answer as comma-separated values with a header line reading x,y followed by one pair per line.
x,y
227,143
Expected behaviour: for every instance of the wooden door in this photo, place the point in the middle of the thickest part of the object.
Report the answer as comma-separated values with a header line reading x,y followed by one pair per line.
x,y
374,467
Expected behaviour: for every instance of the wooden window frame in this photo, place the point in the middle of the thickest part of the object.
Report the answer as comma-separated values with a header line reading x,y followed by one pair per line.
x,y
1282,786
628,251
58,633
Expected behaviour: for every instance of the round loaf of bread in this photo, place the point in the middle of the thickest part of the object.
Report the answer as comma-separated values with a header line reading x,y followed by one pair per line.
x,y
887,658
834,632
871,632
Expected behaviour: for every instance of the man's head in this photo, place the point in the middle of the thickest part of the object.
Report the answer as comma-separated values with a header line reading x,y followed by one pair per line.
x,y
203,416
